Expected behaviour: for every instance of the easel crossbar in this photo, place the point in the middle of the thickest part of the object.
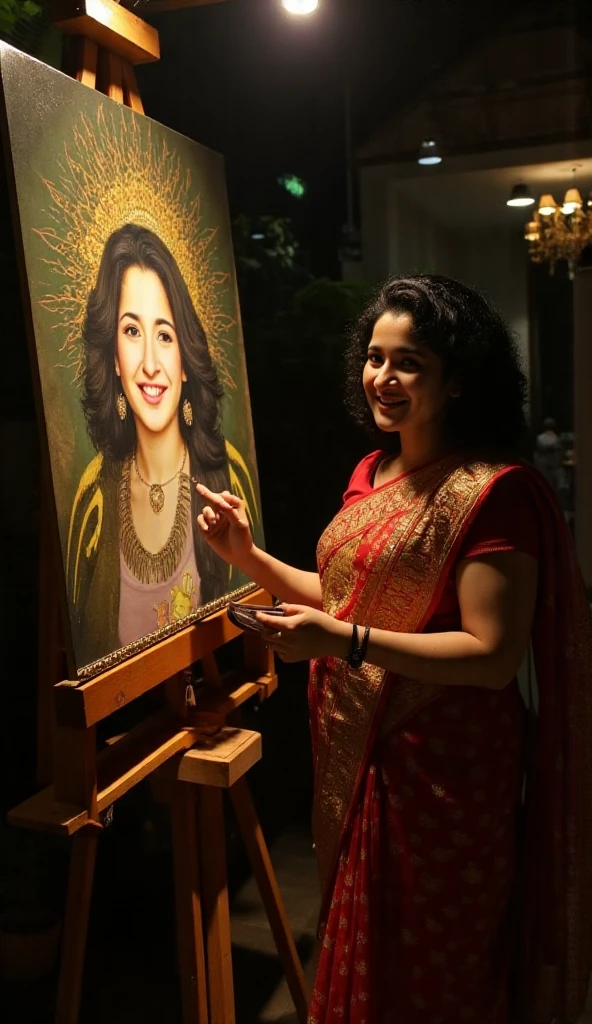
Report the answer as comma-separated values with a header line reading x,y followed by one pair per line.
x,y
109,25
136,754
84,705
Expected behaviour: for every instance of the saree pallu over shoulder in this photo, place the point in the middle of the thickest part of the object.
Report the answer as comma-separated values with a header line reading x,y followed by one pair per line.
x,y
557,854
383,561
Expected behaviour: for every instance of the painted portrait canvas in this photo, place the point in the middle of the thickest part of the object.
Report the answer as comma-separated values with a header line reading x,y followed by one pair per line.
x,y
138,353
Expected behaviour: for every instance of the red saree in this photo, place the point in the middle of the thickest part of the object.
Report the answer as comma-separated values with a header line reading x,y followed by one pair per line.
x,y
418,790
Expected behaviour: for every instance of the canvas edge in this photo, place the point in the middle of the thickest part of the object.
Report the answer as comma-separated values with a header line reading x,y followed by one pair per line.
x,y
110,661
7,53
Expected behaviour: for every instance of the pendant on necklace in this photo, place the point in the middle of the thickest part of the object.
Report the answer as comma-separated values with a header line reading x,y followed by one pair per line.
x,y
156,498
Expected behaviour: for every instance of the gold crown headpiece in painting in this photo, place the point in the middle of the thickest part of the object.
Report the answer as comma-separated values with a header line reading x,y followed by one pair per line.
x,y
114,173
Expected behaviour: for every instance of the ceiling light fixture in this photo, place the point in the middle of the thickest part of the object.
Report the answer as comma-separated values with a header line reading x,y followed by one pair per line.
x,y
300,6
560,233
547,205
429,153
532,231
521,196
572,201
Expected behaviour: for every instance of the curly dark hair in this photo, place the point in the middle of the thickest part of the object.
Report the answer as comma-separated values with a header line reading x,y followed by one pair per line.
x,y
133,246
477,349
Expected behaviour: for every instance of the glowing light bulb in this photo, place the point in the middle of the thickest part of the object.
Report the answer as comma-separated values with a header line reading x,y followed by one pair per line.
x,y
300,6
572,201
520,196
547,205
429,153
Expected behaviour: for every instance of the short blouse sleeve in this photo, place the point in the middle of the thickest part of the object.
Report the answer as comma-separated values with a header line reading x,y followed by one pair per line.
x,y
362,478
507,521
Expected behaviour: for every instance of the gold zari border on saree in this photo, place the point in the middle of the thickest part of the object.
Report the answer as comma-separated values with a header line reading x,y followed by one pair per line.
x,y
389,549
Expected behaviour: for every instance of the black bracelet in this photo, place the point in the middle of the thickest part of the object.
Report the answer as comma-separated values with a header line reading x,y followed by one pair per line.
x,y
365,642
357,650
353,645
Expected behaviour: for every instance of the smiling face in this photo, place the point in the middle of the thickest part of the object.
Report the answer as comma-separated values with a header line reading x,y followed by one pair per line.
x,y
148,357
403,380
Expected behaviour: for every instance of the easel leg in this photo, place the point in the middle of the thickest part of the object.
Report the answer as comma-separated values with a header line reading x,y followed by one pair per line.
x,y
81,60
254,841
190,939
82,865
215,906
131,93
110,75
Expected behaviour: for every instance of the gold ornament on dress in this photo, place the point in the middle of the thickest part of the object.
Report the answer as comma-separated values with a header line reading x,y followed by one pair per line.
x,y
156,492
115,170
187,412
121,404
146,566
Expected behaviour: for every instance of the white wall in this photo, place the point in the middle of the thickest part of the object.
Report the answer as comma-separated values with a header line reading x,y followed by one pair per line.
x,y
416,242
399,237
495,261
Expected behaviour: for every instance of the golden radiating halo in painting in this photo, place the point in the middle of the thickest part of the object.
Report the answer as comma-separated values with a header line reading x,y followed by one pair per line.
x,y
113,172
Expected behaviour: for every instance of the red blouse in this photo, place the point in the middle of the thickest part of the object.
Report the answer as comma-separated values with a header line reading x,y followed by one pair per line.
x,y
506,521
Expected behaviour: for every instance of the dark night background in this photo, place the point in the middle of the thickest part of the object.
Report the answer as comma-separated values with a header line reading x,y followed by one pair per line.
x,y
267,91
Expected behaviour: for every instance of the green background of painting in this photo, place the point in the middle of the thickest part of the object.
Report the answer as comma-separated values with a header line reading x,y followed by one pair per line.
x,y
41,106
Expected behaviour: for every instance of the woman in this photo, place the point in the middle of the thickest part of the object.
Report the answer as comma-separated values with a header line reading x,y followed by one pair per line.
x,y
449,555
136,560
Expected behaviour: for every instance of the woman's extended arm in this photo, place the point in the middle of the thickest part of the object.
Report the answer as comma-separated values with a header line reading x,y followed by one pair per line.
x,y
497,595
283,580
225,526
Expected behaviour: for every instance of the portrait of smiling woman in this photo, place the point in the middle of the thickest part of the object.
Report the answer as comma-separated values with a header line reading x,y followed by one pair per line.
x,y
151,398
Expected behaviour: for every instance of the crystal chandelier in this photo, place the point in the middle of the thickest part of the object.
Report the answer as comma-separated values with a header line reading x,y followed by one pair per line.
x,y
560,232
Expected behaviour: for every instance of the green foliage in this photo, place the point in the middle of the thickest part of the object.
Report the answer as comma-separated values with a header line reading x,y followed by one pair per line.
x,y
306,444
328,306
13,12
264,240
270,265
292,184
26,24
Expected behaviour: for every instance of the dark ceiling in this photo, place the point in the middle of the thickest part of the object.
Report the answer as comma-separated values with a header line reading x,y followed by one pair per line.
x,y
266,89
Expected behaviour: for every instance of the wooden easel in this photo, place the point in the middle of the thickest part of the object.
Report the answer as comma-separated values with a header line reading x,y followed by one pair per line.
x,y
85,783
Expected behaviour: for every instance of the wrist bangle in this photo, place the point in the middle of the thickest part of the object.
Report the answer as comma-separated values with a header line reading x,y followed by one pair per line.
x,y
357,650
353,645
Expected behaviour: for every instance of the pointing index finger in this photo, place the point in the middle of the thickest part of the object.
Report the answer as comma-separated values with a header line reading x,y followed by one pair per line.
x,y
216,499
204,491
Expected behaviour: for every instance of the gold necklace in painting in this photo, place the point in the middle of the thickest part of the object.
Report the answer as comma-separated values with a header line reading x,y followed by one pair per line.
x,y
156,493
146,566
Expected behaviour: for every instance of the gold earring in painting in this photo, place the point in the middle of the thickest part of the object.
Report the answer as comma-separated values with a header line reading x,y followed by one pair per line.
x,y
187,412
121,405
